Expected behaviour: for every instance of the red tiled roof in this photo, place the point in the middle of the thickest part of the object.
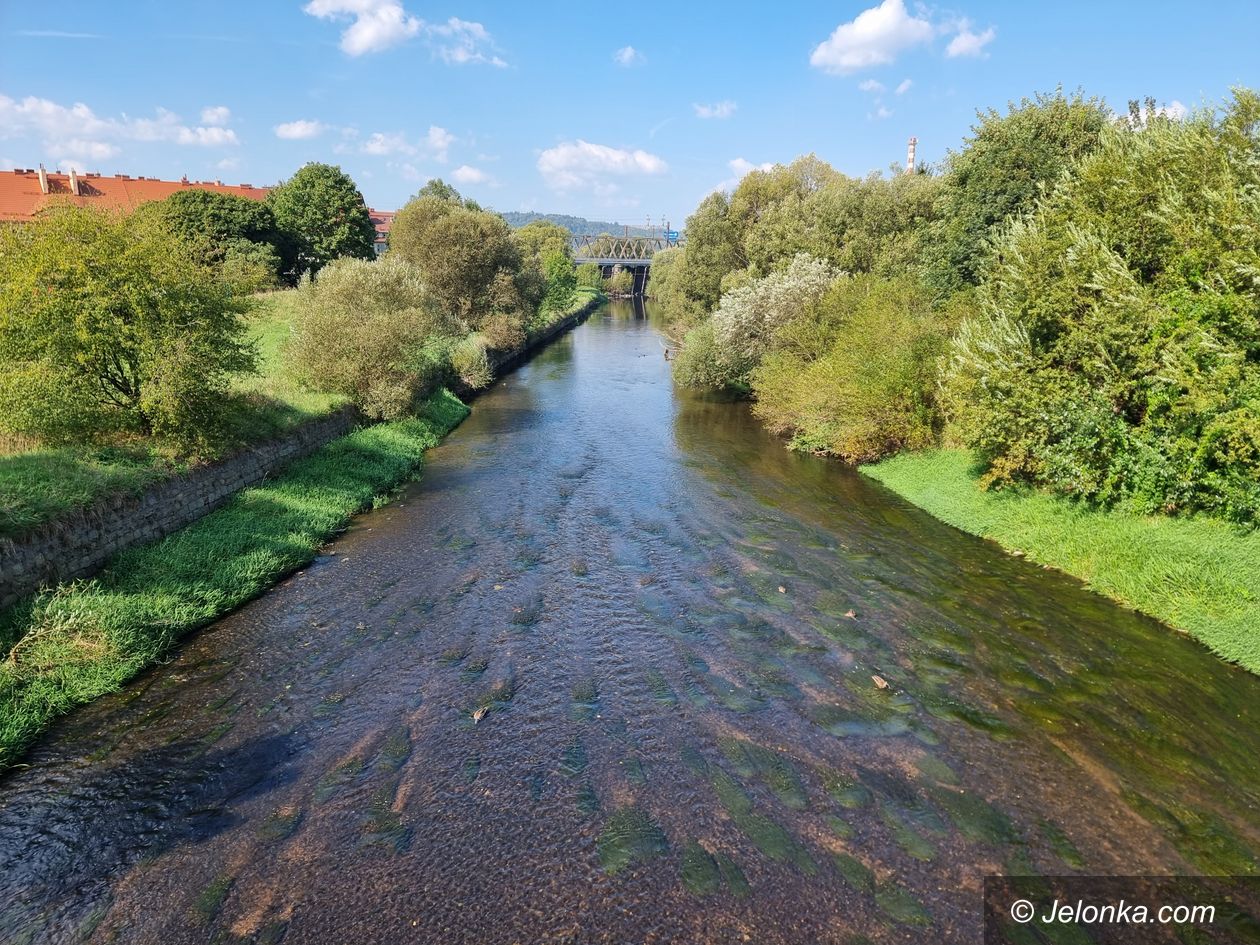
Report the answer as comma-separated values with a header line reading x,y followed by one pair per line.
x,y
21,196
382,220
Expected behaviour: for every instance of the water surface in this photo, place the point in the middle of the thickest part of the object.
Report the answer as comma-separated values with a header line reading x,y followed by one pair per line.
x,y
622,669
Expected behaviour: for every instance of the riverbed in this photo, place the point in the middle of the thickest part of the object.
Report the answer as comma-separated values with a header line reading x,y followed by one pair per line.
x,y
621,668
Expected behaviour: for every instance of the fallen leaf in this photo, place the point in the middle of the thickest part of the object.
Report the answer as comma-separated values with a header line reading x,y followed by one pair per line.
x,y
782,589
479,713
880,682
851,614
498,587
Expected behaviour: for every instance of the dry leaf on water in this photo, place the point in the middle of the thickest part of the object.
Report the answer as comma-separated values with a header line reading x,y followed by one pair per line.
x,y
852,615
479,713
880,681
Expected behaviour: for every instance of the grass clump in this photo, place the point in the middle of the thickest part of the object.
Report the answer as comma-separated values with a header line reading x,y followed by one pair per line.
x,y
1195,574
70,645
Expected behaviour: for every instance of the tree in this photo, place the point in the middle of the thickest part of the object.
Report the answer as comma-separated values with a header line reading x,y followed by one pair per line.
x,y
1002,169
322,212
113,324
561,281
460,253
539,239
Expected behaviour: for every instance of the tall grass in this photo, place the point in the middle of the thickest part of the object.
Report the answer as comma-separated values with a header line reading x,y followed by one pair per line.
x,y
1196,574
72,644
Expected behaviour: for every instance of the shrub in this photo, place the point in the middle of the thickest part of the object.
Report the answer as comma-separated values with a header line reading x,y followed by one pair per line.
x,y
471,363
620,283
589,274
112,324
1116,355
561,281
250,267
365,329
221,222
854,375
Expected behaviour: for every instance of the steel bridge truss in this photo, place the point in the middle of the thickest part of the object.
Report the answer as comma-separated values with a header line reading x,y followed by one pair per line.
x,y
607,250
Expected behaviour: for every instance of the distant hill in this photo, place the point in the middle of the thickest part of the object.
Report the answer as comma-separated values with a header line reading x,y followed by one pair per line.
x,y
578,226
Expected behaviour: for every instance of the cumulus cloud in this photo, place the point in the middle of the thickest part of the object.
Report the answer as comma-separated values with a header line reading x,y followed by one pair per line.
x,y
969,43
903,87
873,38
871,85
461,43
300,129
217,115
628,56
75,133
435,144
880,113
723,109
581,165
377,24
741,168
464,174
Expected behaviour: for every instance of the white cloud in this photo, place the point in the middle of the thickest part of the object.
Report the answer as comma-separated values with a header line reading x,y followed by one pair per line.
x,y
378,24
459,42
741,168
968,43
628,56
1174,110
300,129
723,109
470,175
575,165
880,113
435,144
438,140
903,87
873,38
217,115
75,133
871,85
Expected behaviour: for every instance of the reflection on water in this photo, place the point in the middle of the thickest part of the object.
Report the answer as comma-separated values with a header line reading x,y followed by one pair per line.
x,y
622,669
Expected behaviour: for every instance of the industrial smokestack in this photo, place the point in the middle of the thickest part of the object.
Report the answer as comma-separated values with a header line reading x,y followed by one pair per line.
x,y
910,155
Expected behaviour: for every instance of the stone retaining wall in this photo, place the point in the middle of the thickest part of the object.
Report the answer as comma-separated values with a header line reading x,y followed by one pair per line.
x,y
78,545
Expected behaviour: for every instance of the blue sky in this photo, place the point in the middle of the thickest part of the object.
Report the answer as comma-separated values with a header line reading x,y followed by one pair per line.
x,y
625,113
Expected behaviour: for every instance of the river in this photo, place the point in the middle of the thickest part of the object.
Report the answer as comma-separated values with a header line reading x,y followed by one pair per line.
x,y
620,668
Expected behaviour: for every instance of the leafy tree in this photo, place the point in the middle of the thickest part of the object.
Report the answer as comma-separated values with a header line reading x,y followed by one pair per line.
x,y
561,281
112,324
589,274
461,254
1006,164
540,239
371,331
322,212
1117,356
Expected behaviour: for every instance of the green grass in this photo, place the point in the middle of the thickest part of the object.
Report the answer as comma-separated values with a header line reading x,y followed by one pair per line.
x,y
87,638
40,485
1195,574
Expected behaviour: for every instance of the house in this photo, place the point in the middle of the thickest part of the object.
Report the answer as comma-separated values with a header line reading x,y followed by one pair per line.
x,y
382,220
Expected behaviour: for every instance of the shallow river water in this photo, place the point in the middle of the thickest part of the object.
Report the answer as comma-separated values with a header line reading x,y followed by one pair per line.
x,y
607,674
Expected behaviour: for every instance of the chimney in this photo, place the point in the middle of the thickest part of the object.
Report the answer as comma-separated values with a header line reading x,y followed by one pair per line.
x,y
74,182
43,180
910,155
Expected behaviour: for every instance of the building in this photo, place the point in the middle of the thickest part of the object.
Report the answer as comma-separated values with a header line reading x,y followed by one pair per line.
x,y
382,220
24,192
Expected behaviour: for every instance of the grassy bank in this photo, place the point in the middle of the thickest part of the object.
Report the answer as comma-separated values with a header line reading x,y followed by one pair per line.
x,y
37,486
87,638
1197,575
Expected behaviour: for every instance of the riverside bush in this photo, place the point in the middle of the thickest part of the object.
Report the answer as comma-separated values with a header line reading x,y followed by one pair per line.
x,y
854,374
367,330
112,325
1117,353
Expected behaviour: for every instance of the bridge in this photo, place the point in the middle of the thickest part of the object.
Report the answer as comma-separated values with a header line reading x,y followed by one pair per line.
x,y
629,252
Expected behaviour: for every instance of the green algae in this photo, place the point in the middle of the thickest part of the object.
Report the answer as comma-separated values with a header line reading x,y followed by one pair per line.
x,y
700,872
975,818
768,766
660,688
280,824
766,835
629,837
899,905
573,760
208,902
855,872
588,799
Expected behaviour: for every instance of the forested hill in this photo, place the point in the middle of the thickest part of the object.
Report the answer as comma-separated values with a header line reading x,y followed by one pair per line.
x,y
578,226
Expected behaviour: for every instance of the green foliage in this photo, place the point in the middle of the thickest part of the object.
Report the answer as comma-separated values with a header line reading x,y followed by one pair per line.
x,y
1196,574
561,280
854,375
85,639
467,257
367,330
1116,355
540,239
620,283
471,363
112,325
230,226
589,274
1006,164
321,212
713,250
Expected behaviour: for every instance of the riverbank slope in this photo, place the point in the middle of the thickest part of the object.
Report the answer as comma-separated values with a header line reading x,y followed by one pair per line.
x,y
1198,575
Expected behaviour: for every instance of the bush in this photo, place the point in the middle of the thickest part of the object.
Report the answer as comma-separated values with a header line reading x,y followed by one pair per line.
x,y
620,283
590,275
225,224
854,375
367,330
112,324
1117,356
561,281
250,267
471,363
